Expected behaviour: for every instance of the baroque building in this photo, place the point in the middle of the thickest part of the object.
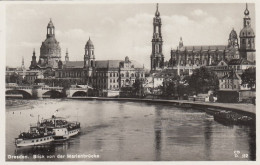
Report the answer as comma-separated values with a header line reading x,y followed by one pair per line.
x,y
184,59
102,75
50,51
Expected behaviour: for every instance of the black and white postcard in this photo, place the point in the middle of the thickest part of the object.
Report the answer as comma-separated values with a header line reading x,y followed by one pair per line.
x,y
128,81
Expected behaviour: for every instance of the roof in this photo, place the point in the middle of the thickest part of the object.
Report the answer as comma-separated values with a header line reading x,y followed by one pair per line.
x,y
232,75
239,62
136,64
50,24
74,64
107,63
223,62
89,43
101,64
166,73
203,47
247,32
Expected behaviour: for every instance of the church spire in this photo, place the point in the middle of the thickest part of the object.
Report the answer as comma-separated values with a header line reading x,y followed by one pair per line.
x,y
246,11
22,61
50,29
157,13
181,43
67,55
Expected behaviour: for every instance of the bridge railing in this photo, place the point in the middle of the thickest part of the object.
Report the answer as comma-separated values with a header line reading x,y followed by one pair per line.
x,y
18,87
52,88
78,88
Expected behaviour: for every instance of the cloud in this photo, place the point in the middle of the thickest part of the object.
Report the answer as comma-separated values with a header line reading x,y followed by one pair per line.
x,y
107,20
199,12
73,34
29,44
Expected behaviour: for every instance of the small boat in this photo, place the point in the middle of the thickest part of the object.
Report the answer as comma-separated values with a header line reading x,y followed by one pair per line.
x,y
35,137
61,128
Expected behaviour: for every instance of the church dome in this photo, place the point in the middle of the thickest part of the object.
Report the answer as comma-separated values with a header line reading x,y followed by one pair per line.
x,y
89,44
50,47
247,32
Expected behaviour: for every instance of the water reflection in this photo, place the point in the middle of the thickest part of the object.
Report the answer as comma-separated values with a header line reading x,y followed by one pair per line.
x,y
158,133
208,139
252,142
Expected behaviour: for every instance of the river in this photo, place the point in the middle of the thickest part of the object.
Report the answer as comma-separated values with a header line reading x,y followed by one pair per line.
x,y
130,131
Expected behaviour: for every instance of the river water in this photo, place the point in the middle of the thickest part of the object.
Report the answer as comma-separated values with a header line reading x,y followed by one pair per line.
x,y
129,131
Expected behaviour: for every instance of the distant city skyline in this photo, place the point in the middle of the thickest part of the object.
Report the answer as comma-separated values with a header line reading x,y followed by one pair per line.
x,y
118,30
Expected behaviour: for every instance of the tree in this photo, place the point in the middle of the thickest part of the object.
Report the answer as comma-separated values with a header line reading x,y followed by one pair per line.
x,y
15,78
202,80
249,77
170,86
66,84
138,88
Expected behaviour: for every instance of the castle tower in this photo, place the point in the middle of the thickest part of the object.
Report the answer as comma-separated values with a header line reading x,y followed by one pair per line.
x,y
247,39
33,62
89,57
50,52
157,57
67,56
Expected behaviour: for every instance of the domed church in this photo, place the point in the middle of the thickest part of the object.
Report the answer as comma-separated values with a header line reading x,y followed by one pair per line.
x,y
50,51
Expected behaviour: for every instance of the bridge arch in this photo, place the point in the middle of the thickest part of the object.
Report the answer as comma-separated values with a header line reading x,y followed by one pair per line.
x,y
26,95
79,93
53,94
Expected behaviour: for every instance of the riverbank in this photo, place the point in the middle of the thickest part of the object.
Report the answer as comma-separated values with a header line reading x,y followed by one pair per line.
x,y
247,109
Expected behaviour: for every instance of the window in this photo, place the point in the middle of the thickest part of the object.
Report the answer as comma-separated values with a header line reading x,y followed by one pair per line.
x,y
110,74
114,81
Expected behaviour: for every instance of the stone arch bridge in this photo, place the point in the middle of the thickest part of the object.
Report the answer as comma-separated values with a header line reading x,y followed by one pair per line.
x,y
42,91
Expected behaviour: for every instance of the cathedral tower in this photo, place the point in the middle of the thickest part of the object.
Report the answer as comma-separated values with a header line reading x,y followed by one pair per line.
x,y
157,57
247,39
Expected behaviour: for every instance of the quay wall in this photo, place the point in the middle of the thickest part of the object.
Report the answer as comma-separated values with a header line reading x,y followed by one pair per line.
x,y
239,108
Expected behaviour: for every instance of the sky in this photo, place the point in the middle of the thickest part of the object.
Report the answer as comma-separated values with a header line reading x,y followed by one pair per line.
x,y
118,30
